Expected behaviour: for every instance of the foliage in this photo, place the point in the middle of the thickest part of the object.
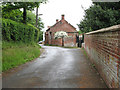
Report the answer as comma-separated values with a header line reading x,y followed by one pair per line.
x,y
15,15
60,34
18,5
16,53
12,11
40,24
108,5
80,32
31,18
18,39
8,6
13,31
100,15
41,36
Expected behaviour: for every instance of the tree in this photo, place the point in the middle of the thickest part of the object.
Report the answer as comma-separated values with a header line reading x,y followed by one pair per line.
x,y
15,15
108,5
61,34
41,36
31,18
40,25
37,15
100,15
8,6
18,5
43,1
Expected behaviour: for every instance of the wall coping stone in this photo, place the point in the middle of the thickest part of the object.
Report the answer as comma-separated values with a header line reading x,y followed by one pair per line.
x,y
112,28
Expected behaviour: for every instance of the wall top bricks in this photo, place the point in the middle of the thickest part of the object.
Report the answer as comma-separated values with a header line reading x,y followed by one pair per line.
x,y
112,28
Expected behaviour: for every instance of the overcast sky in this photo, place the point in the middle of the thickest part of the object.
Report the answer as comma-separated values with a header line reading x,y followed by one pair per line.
x,y
70,8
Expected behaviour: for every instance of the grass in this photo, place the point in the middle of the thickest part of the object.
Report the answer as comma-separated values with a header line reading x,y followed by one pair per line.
x,y
0,57
93,65
85,52
15,54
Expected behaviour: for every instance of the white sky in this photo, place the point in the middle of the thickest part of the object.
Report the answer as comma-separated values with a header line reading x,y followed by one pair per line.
x,y
70,8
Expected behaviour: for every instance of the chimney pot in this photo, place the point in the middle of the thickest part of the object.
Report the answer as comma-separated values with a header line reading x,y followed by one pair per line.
x,y
57,20
63,17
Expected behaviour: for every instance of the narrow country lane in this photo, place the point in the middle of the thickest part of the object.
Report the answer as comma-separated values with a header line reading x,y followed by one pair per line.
x,y
57,67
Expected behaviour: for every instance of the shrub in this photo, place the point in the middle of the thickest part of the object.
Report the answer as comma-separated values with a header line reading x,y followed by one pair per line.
x,y
14,31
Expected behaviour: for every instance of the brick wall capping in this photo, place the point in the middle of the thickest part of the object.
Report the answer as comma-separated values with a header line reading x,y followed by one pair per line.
x,y
112,28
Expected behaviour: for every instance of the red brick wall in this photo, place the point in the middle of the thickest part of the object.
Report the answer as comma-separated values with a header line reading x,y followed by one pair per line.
x,y
70,41
57,42
103,49
46,38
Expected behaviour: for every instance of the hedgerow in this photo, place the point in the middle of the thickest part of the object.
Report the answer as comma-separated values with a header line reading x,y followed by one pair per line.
x,y
14,31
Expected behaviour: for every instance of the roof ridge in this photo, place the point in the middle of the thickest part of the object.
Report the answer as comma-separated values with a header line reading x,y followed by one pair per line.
x,y
58,22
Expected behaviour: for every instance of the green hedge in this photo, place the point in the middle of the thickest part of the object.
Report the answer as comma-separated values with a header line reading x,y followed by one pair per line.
x,y
14,31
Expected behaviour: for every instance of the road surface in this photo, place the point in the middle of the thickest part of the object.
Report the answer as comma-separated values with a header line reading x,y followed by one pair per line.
x,y
57,67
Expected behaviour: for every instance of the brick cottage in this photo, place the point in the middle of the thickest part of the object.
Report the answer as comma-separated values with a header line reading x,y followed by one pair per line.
x,y
62,25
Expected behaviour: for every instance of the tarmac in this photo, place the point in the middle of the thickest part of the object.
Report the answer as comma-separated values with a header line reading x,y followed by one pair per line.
x,y
57,67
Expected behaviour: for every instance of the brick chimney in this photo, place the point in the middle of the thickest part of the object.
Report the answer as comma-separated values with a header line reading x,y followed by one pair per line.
x,y
63,17
57,20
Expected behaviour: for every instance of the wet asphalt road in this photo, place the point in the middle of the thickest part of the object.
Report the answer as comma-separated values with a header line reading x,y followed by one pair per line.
x,y
56,68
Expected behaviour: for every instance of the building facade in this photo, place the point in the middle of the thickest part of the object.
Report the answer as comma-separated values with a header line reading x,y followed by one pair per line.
x,y
62,25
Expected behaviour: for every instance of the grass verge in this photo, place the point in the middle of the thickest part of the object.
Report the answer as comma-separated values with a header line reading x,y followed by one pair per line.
x,y
0,57
85,52
93,65
15,54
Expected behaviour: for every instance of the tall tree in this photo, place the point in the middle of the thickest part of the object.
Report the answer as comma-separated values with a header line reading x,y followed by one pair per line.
x,y
37,16
15,15
18,5
100,15
43,1
31,18
108,5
